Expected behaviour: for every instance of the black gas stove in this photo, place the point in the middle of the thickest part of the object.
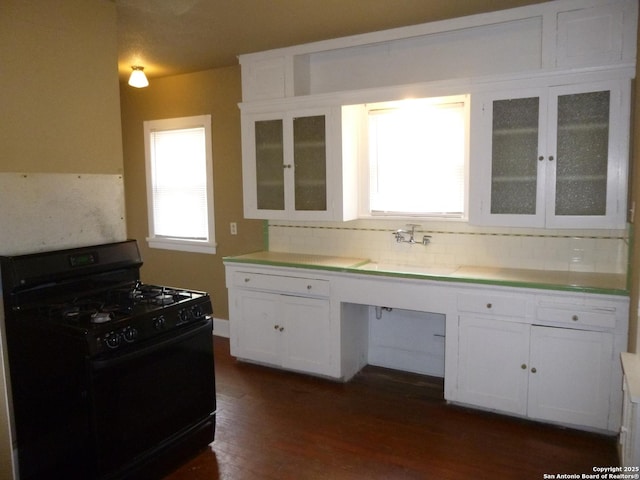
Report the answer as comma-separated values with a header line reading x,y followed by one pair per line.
x,y
111,378
126,315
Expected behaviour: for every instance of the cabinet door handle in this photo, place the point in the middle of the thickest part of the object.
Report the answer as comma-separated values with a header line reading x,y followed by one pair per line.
x,y
246,280
287,165
309,287
523,366
551,158
281,329
541,157
489,305
533,370
574,318
278,327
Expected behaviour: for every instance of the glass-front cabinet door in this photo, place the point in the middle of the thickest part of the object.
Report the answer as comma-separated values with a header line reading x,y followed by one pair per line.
x,y
554,157
582,147
310,163
588,150
287,158
515,130
269,158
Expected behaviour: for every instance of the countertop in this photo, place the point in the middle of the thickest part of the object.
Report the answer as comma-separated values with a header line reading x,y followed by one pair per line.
x,y
589,282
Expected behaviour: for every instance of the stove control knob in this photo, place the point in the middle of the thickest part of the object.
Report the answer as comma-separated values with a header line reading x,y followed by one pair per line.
x,y
159,322
112,340
185,315
130,334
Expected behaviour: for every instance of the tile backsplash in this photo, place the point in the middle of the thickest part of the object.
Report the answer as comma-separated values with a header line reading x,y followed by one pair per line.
x,y
457,243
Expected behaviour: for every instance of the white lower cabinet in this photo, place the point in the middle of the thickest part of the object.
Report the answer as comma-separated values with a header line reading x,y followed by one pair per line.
x,y
490,366
282,330
547,355
547,373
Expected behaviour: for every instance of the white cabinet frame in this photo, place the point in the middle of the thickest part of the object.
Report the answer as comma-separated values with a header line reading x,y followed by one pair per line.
x,y
544,216
335,206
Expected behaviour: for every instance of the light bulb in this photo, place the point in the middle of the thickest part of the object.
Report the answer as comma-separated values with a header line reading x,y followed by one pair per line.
x,y
138,79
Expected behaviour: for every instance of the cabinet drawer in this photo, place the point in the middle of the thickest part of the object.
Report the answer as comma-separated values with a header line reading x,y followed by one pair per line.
x,y
490,304
310,287
573,316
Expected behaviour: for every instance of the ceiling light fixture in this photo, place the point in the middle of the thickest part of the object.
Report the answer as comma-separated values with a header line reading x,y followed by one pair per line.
x,y
138,79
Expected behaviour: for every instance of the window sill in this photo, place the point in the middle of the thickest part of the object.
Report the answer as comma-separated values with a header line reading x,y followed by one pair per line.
x,y
413,218
182,245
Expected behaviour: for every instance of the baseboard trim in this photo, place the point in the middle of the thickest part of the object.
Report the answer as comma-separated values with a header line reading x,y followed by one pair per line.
x,y
221,327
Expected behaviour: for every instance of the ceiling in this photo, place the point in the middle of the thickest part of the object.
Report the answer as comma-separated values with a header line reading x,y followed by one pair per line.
x,y
170,37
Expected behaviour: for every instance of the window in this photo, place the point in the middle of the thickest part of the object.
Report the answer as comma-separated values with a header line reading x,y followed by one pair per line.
x,y
180,184
417,158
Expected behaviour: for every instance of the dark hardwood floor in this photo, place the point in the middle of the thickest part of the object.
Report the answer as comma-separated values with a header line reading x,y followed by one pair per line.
x,y
383,424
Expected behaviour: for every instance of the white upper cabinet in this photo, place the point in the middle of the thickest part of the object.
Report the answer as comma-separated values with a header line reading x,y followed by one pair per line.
x,y
532,73
552,157
596,35
291,163
550,37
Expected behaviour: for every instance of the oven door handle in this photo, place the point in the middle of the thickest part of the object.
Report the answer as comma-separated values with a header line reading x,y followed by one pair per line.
x,y
205,324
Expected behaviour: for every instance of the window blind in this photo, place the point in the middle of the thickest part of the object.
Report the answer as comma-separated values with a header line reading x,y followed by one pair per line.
x,y
417,159
178,162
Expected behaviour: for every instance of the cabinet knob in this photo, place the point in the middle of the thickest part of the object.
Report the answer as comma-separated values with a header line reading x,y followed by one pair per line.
x,y
281,329
523,366
309,287
551,158
276,327
247,280
489,305
574,318
533,370
287,165
541,157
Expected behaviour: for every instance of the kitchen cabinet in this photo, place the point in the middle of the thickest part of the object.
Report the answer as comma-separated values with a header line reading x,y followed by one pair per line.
x,y
291,160
562,36
570,376
544,372
277,321
543,354
489,364
554,157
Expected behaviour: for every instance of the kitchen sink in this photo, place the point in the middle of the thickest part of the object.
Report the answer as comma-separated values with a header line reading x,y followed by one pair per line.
x,y
437,270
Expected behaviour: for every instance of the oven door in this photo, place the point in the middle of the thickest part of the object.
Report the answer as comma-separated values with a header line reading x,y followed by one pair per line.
x,y
146,401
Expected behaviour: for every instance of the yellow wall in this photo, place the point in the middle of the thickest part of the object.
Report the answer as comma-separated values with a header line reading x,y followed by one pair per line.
x,y
60,110
59,87
216,92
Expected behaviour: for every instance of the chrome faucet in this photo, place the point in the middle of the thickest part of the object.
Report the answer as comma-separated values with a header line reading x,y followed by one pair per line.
x,y
411,228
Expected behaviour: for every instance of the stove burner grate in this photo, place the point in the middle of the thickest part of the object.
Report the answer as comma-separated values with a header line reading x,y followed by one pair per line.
x,y
101,317
155,295
115,303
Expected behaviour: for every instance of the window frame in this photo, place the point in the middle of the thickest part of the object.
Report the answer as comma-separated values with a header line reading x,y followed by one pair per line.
x,y
364,207
207,245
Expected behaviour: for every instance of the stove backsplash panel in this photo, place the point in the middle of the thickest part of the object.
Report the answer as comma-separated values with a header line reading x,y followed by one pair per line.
x,y
52,211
